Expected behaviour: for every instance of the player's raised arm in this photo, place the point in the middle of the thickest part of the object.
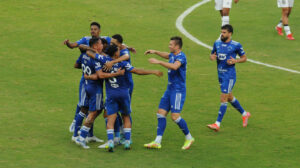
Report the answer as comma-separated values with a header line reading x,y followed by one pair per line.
x,y
146,72
164,55
69,44
173,66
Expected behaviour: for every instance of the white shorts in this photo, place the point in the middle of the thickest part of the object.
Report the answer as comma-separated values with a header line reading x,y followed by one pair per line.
x,y
220,4
285,3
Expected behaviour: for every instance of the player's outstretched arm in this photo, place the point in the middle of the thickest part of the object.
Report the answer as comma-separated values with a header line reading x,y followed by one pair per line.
x,y
232,61
109,65
173,66
146,72
104,75
69,44
164,55
131,49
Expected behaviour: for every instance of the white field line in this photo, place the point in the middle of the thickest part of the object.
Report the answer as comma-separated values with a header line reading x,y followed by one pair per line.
x,y
180,27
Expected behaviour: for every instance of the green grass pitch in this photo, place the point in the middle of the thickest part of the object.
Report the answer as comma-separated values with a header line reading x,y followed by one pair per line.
x,y
39,86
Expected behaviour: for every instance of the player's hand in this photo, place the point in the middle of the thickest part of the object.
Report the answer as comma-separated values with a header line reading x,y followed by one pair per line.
x,y
213,56
153,61
108,66
133,50
67,41
236,1
231,61
149,52
158,73
86,76
120,72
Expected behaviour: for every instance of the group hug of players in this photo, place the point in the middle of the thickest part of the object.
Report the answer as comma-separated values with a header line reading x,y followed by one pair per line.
x,y
107,59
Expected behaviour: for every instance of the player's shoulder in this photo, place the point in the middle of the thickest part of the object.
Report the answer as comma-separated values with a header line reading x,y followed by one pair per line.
x,y
235,43
218,42
87,37
124,51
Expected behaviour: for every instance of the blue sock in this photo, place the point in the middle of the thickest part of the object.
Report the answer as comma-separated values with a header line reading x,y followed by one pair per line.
x,y
182,125
222,112
79,118
77,111
84,131
110,134
161,126
236,104
91,132
127,132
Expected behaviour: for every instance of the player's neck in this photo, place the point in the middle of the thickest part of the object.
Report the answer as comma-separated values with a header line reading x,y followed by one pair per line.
x,y
228,40
176,52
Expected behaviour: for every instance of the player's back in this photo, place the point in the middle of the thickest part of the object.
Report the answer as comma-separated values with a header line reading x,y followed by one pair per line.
x,y
177,78
89,66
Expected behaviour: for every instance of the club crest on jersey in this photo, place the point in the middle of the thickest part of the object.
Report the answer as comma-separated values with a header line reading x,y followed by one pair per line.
x,y
221,57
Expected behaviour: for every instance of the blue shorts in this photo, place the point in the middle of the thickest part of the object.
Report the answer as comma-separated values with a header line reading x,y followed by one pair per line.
x,y
172,100
226,84
94,97
121,102
82,94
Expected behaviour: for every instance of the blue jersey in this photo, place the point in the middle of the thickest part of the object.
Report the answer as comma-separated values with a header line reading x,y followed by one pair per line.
x,y
117,85
177,78
86,40
128,74
79,62
224,51
90,66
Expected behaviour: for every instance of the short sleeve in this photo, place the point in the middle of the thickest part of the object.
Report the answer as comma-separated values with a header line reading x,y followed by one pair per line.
x,y
98,65
99,58
181,58
214,49
82,41
240,50
127,66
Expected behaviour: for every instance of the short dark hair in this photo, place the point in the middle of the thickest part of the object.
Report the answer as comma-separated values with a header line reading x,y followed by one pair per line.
x,y
111,50
93,41
95,24
227,27
118,37
178,40
103,40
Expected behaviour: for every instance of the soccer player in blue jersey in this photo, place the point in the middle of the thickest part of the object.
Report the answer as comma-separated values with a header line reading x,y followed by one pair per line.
x,y
117,93
117,39
224,52
93,89
174,97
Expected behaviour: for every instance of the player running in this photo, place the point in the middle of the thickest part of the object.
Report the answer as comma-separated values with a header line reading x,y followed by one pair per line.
x,y
224,7
117,93
286,6
174,97
225,51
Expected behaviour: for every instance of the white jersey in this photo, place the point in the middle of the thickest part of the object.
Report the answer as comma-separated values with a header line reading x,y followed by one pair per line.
x,y
220,4
285,3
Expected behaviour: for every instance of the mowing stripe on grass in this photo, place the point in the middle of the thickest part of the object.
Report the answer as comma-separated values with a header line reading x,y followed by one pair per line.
x,y
180,27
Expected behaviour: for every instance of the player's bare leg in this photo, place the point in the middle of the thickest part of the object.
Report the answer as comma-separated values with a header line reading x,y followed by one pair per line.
x,y
285,21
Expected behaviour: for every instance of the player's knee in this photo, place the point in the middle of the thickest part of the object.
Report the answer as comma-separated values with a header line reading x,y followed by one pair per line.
x,y
175,116
162,112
